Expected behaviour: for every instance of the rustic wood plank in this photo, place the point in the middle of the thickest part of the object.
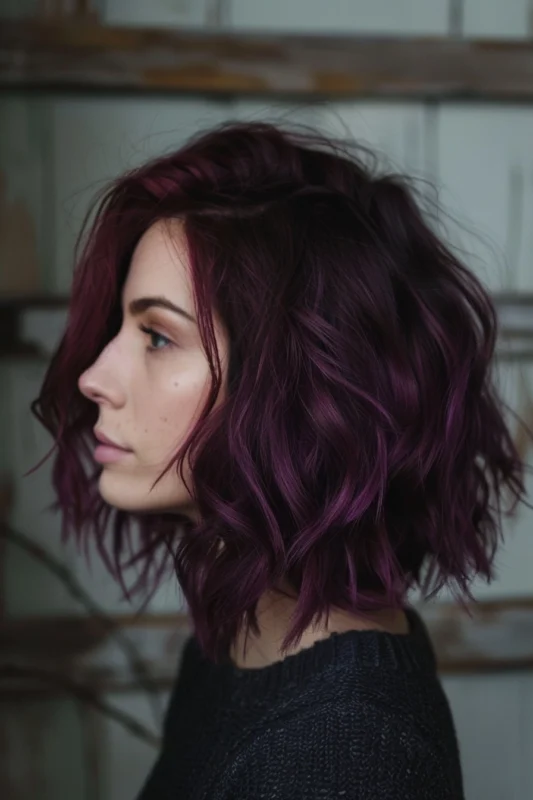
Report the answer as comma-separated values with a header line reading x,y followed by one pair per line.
x,y
515,344
21,302
90,56
495,636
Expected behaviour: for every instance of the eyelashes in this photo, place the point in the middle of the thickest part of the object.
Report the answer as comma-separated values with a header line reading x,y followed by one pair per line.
x,y
158,342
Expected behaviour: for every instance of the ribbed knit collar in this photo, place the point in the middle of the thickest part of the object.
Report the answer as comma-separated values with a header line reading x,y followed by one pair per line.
x,y
355,649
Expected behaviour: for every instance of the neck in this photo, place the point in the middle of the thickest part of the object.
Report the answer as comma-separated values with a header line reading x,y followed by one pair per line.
x,y
274,617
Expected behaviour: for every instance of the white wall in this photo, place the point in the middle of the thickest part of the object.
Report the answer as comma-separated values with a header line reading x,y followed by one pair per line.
x,y
55,151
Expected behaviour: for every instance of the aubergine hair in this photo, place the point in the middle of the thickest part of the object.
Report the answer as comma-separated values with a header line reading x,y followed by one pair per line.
x,y
362,449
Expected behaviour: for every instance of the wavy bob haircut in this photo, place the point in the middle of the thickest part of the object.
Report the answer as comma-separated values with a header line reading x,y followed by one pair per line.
x,y
362,449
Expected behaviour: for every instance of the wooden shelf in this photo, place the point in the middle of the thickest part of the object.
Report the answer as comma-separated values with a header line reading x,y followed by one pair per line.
x,y
19,303
11,309
497,636
85,56
502,299
82,649
515,337
22,302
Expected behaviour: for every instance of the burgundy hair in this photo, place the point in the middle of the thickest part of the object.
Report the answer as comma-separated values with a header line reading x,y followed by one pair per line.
x,y
362,449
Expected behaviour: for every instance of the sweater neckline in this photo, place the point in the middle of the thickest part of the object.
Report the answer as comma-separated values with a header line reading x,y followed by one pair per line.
x,y
355,649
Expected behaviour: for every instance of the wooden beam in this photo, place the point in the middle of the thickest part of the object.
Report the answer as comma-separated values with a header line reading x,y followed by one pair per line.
x,y
11,311
515,343
497,636
89,56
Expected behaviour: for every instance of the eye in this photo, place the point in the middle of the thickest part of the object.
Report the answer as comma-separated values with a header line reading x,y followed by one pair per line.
x,y
157,340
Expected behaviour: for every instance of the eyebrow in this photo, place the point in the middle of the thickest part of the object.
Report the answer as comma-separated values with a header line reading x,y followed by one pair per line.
x,y
142,304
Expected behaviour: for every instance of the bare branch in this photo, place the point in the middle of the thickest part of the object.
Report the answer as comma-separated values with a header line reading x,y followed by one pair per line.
x,y
82,693
67,578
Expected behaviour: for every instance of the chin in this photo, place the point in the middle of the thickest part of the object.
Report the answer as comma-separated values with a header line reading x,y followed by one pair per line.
x,y
136,496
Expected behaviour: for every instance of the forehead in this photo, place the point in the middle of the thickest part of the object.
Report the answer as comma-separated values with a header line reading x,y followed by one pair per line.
x,y
160,264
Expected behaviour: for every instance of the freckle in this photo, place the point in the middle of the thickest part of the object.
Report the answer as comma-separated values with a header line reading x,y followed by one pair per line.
x,y
165,419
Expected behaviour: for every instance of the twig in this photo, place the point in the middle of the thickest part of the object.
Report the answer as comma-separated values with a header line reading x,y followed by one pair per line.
x,y
82,693
66,577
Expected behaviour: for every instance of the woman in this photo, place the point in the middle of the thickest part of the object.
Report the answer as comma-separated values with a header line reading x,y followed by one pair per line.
x,y
287,378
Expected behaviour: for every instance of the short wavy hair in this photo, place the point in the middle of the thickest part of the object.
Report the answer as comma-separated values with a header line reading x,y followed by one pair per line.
x,y
362,449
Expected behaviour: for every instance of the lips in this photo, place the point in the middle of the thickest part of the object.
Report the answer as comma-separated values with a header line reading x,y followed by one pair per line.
x,y
108,452
109,442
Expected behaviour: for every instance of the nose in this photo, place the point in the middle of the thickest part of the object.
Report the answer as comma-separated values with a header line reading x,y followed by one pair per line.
x,y
101,382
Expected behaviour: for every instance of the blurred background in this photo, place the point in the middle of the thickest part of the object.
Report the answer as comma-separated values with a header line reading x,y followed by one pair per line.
x,y
443,89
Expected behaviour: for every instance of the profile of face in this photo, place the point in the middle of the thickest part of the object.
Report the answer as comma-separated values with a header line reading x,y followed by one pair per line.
x,y
151,381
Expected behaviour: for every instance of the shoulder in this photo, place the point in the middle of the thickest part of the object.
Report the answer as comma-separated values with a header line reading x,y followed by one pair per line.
x,y
343,750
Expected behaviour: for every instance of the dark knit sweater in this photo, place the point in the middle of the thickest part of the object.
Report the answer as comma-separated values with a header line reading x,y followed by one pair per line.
x,y
360,715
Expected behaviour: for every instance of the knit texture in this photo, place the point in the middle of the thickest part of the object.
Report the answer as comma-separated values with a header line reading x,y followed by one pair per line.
x,y
360,715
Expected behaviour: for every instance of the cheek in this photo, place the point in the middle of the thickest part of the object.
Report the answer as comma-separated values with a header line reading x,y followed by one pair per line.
x,y
172,416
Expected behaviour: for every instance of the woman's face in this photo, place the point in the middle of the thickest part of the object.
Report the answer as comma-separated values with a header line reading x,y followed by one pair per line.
x,y
151,381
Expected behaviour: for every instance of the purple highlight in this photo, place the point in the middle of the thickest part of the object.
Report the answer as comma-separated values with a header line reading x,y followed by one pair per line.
x,y
362,449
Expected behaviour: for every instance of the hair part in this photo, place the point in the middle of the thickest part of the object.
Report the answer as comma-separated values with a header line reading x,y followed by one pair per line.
x,y
362,449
